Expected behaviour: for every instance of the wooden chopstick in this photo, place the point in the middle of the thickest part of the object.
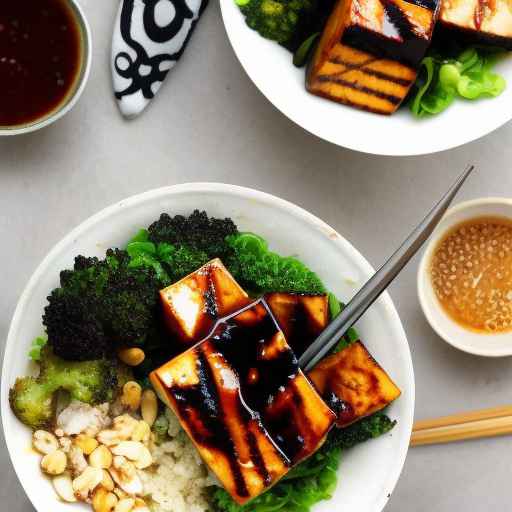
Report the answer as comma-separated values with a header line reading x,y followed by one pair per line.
x,y
491,422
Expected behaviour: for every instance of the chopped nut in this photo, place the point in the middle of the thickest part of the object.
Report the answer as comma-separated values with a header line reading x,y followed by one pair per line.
x,y
120,493
107,482
142,431
140,506
101,457
125,505
145,459
122,429
103,500
109,437
84,484
131,396
130,449
44,442
65,444
86,443
64,487
54,463
77,460
149,406
59,432
131,356
125,476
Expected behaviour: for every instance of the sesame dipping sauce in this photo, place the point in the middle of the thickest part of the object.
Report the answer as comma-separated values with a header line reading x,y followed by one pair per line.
x,y
40,56
471,273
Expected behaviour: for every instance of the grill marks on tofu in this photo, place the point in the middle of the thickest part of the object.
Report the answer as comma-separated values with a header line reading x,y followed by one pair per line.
x,y
301,317
481,20
369,52
245,403
193,305
353,384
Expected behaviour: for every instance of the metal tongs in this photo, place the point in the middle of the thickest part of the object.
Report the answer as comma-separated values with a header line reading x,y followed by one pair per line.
x,y
374,287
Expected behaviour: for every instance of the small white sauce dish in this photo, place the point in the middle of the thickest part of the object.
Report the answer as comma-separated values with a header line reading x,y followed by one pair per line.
x,y
76,91
481,344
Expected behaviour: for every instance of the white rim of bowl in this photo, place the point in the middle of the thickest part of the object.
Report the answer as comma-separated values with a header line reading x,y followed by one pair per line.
x,y
422,278
250,195
82,81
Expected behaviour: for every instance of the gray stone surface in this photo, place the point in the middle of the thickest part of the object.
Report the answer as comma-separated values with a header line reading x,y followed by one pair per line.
x,y
211,124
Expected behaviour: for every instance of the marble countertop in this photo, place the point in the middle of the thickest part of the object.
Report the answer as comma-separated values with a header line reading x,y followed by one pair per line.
x,y
211,124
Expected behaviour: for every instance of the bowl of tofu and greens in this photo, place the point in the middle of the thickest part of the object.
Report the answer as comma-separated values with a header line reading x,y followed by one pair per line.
x,y
390,77
151,364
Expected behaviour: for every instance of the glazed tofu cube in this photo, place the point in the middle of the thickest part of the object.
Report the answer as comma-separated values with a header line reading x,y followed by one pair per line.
x,y
353,384
482,22
301,317
370,50
351,381
242,398
193,305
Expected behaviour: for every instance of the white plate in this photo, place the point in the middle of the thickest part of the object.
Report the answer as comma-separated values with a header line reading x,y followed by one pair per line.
x,y
368,473
270,67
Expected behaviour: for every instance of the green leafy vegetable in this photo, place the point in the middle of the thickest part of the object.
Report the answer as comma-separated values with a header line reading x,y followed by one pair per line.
x,y
37,346
258,269
301,56
442,79
314,479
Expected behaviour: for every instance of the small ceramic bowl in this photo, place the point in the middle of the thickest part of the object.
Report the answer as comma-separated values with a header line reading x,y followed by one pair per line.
x,y
490,345
78,87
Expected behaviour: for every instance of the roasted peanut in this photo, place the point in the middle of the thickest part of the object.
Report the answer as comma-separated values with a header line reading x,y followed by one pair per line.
x,y
65,444
103,500
64,487
54,463
131,396
107,482
125,505
140,506
44,442
149,406
131,356
130,449
101,457
87,482
145,459
86,443
77,460
142,431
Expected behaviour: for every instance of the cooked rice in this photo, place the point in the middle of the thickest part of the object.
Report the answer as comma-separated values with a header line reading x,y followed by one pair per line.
x,y
178,480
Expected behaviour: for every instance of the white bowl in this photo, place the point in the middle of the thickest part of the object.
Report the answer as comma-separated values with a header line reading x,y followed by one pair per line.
x,y
368,472
270,67
78,88
490,345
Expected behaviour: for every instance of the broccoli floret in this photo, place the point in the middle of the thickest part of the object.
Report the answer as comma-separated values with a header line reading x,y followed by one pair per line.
x,y
278,20
364,430
101,303
32,399
198,232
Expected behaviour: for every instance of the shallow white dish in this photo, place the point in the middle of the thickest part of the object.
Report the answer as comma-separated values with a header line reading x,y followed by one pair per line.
x,y
369,472
491,345
270,67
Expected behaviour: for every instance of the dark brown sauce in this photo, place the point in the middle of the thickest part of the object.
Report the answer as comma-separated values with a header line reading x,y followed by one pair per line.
x,y
266,393
40,54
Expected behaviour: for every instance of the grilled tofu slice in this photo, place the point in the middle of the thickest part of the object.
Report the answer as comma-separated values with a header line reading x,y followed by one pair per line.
x,y
351,382
301,317
370,50
248,408
483,21
193,305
